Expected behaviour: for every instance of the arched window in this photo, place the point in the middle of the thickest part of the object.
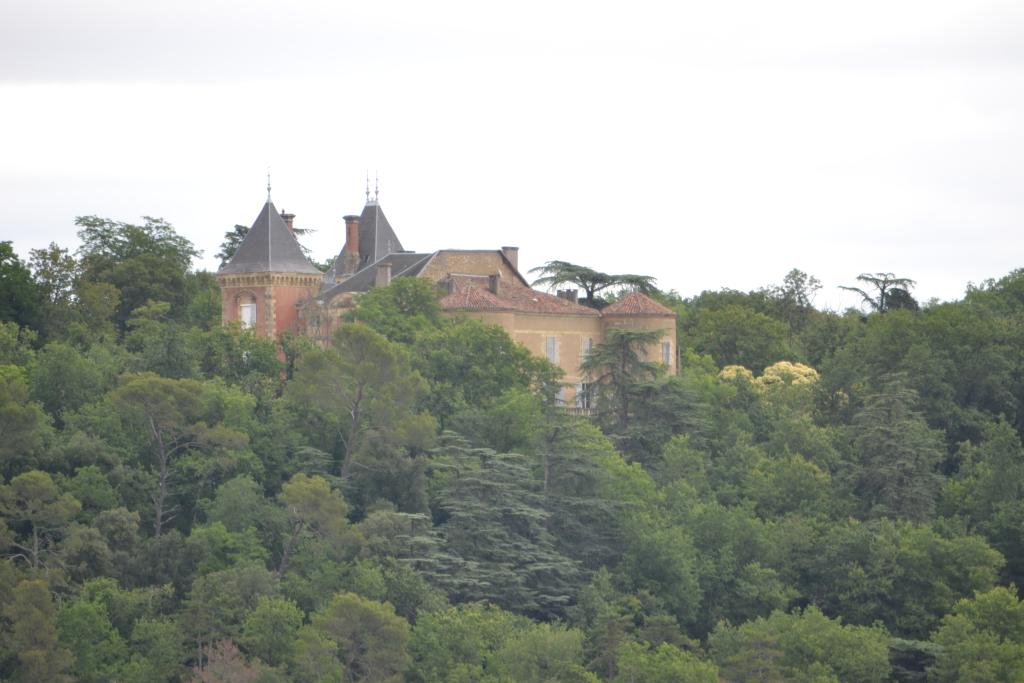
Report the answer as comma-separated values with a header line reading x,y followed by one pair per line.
x,y
247,311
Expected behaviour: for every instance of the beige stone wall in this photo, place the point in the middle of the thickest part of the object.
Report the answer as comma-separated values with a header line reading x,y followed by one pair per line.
x,y
533,331
484,263
570,331
665,324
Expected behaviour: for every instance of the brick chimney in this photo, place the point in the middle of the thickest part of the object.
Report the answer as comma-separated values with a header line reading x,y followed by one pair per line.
x,y
351,250
383,278
289,220
568,294
512,254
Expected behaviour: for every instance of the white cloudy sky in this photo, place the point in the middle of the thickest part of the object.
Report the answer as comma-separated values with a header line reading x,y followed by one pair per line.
x,y
709,144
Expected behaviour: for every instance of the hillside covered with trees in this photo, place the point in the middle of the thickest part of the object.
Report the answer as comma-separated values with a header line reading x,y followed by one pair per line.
x,y
816,496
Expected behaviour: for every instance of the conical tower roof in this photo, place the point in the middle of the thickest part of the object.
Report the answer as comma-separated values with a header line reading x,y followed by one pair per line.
x,y
269,247
376,237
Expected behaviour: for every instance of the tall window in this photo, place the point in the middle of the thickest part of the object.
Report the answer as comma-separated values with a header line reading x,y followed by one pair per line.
x,y
586,346
666,353
551,347
583,396
247,315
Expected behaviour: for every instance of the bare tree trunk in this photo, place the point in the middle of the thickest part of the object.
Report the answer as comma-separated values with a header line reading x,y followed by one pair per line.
x,y
160,496
35,549
351,443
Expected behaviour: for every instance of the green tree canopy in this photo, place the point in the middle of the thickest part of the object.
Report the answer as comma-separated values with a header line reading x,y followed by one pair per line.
x,y
20,298
888,292
144,262
592,282
802,645
981,640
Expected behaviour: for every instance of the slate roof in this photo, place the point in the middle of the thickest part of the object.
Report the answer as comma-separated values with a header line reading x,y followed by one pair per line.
x,y
471,293
404,264
269,247
636,303
377,239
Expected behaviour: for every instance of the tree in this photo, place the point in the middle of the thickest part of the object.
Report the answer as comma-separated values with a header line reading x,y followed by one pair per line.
x,y
33,635
19,294
165,416
55,272
158,652
737,334
145,262
159,344
270,629
402,311
218,602
904,575
95,305
370,637
578,465
98,649
470,364
240,506
541,653
801,645
365,389
981,640
313,509
663,664
556,273
226,663
498,547
890,292
23,424
616,367
794,300
459,640
988,490
32,498
64,379
16,344
898,454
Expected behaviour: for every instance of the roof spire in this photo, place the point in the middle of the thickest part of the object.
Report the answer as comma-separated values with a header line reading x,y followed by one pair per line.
x,y
376,186
268,184
367,186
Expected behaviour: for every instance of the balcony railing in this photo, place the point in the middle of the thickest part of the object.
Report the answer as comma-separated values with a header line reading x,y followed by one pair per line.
x,y
577,410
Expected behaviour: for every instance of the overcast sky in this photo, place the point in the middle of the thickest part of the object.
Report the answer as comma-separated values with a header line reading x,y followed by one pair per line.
x,y
709,144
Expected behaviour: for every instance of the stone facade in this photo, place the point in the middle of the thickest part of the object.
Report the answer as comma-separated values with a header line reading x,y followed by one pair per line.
x,y
481,284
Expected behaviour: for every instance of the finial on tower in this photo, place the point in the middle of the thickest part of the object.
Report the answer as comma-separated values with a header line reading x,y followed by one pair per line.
x,y
268,185
376,186
367,187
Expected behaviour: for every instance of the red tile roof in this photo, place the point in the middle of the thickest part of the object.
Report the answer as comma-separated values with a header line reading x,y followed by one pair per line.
x,y
636,303
472,294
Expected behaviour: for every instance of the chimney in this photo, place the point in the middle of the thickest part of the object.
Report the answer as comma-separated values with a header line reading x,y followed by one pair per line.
x,y
383,278
494,283
351,249
289,220
568,294
512,254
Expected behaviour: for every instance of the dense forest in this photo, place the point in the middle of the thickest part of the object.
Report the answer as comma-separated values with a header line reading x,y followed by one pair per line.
x,y
817,496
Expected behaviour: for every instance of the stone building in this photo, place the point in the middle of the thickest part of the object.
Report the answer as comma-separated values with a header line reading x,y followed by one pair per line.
x,y
271,286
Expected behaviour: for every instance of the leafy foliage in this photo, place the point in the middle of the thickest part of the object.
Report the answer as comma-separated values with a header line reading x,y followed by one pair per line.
x,y
815,495
592,282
